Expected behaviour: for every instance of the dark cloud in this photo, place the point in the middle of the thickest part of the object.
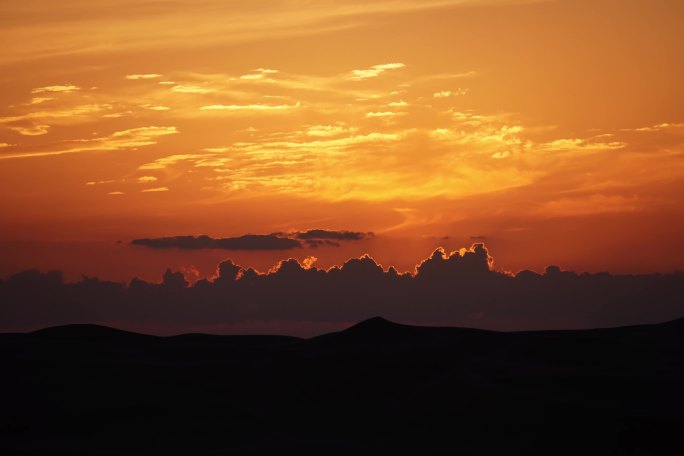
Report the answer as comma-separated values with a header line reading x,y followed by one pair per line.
x,y
334,235
246,242
274,241
172,279
448,288
315,243
442,266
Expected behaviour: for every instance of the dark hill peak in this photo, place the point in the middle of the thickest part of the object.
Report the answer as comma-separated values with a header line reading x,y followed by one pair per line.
x,y
379,327
374,323
374,331
380,331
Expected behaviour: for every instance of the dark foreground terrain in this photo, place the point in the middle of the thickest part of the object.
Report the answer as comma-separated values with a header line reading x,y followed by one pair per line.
x,y
376,386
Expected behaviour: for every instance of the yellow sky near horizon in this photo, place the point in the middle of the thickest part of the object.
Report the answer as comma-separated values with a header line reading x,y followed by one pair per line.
x,y
552,129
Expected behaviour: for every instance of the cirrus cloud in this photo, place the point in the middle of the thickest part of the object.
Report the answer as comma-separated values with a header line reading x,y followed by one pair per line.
x,y
120,140
375,71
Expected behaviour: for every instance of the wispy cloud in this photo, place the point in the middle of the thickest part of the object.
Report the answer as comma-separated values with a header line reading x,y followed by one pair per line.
x,y
375,71
249,107
146,179
39,100
450,93
259,73
381,114
68,113
100,182
56,88
79,30
655,128
152,107
120,140
180,88
320,142
35,130
326,130
135,77
169,160
578,144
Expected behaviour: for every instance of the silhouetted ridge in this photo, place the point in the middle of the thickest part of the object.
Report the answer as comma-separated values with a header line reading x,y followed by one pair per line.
x,y
98,333
679,323
374,331
87,333
376,325
376,386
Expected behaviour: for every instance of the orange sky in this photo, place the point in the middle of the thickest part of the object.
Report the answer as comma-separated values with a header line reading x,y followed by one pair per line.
x,y
552,130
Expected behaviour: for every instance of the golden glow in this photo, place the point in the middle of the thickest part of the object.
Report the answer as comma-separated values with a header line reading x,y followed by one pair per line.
x,y
513,120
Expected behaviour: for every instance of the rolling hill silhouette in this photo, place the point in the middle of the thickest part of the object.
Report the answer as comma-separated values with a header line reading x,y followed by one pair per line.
x,y
89,333
375,386
376,330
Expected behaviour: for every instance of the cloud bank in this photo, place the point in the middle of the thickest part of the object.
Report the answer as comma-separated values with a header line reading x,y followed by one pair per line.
x,y
456,288
246,242
274,241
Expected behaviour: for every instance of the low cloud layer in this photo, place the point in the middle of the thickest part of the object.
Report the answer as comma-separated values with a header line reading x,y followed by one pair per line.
x,y
246,242
275,241
458,288
335,235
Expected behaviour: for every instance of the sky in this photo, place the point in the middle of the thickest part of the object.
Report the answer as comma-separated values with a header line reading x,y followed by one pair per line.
x,y
552,131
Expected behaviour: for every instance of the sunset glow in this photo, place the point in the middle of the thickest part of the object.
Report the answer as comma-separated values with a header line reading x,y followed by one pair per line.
x,y
553,131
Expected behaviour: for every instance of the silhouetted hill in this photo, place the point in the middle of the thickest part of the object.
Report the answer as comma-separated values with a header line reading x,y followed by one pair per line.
x,y
677,324
88,333
376,330
377,386
380,331
376,325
